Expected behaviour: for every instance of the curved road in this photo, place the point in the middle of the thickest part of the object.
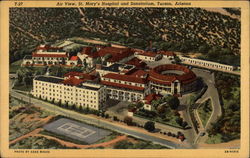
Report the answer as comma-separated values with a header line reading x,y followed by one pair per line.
x,y
210,93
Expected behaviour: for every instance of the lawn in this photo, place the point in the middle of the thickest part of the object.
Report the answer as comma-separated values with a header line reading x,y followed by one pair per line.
x,y
215,139
15,66
205,111
107,138
169,118
23,87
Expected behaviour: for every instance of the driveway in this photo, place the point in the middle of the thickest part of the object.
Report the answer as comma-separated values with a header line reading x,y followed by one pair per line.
x,y
212,93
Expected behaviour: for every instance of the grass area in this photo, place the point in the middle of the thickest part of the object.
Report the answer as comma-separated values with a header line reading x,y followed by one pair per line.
x,y
205,111
63,137
107,138
23,87
170,120
15,66
227,127
125,144
23,119
38,143
215,139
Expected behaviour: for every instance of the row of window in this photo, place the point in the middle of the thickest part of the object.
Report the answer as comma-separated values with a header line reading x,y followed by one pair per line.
x,y
65,88
123,82
69,94
65,98
48,58
208,64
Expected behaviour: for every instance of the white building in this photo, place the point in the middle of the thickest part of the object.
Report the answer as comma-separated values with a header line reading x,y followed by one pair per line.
x,y
206,64
71,91
46,55
148,56
126,87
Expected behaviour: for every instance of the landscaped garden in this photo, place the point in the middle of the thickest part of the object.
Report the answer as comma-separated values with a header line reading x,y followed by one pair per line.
x,y
164,110
205,111
25,118
227,127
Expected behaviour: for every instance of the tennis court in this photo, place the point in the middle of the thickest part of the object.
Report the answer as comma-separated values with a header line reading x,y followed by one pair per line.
x,y
76,130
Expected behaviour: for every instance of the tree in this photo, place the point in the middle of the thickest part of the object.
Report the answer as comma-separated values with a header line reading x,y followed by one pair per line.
x,y
59,72
19,78
26,80
131,106
60,103
203,48
174,103
53,101
115,118
128,120
149,126
66,105
139,105
123,145
155,103
161,109
179,120
184,124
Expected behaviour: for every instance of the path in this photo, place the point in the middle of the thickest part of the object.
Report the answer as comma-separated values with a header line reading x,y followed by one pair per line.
x,y
211,93
32,133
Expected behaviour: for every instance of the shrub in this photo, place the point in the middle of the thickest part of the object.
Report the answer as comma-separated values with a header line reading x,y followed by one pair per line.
x,y
128,120
149,126
115,118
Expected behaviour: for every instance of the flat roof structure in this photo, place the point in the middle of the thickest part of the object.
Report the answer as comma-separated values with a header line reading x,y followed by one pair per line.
x,y
49,79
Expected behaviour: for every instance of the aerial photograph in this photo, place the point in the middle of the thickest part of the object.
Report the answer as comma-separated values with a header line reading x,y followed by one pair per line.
x,y
124,78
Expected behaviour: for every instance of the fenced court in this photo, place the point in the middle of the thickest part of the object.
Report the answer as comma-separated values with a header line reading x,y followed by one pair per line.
x,y
76,130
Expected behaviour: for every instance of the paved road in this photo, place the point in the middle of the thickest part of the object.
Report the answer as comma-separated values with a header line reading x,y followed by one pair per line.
x,y
210,93
95,121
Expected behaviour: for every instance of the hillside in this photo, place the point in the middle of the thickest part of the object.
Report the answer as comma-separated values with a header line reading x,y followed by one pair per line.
x,y
177,29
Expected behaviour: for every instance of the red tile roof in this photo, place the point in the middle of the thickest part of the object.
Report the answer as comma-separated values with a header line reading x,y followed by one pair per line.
x,y
74,58
168,53
139,73
72,81
88,51
80,75
117,54
150,54
149,98
128,78
122,85
156,76
49,55
137,62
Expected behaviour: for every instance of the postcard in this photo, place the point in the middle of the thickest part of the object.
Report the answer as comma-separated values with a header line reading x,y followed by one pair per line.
x,y
124,79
